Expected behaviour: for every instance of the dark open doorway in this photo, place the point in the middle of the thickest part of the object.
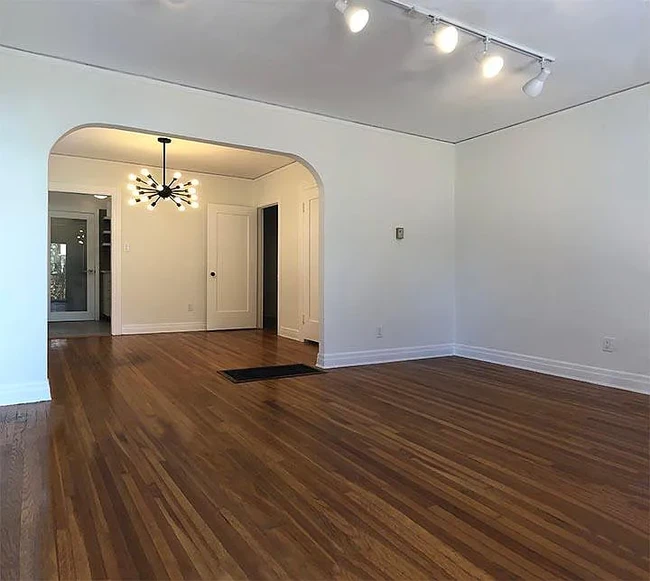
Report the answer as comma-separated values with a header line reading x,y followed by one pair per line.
x,y
270,268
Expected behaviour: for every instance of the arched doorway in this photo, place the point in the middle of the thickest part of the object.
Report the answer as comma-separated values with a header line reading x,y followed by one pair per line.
x,y
145,247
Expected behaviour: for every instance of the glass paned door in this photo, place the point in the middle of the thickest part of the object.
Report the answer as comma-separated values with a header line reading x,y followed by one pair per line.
x,y
72,266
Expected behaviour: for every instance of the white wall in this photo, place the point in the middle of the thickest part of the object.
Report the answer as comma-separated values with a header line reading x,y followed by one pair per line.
x,y
371,180
552,239
285,187
67,202
165,269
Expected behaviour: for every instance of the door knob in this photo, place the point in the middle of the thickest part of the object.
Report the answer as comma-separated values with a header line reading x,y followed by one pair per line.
x,y
89,271
213,273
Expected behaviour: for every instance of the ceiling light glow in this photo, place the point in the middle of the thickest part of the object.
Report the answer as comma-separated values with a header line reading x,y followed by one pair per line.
x,y
491,64
356,17
445,38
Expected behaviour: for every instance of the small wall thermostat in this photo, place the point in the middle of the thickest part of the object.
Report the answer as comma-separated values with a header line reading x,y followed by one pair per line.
x,y
399,233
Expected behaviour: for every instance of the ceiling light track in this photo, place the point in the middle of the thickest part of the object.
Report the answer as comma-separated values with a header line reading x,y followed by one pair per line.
x,y
471,30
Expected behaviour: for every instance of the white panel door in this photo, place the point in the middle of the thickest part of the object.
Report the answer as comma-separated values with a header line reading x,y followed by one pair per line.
x,y
310,240
232,267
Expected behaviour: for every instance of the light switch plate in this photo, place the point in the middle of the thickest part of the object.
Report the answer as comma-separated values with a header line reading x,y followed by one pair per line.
x,y
399,233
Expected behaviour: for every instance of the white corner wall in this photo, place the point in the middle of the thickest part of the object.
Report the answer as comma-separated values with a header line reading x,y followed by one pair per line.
x,y
371,180
552,241
164,270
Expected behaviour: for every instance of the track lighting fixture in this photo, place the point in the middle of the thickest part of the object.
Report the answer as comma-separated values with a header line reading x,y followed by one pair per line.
x,y
443,36
491,64
535,86
356,17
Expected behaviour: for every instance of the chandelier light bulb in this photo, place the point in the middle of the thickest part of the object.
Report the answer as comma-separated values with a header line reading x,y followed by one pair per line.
x,y
130,187
194,182
535,86
178,175
144,171
133,177
194,204
181,208
356,17
193,197
192,190
131,201
150,207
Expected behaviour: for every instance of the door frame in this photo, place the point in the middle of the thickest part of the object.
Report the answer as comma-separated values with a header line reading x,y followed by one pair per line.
x,y
260,264
92,255
302,261
115,195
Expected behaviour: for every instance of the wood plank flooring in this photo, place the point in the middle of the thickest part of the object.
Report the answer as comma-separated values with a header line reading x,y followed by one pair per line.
x,y
150,465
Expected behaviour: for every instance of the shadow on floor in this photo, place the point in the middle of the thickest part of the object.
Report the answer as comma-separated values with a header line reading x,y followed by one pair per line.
x,y
65,330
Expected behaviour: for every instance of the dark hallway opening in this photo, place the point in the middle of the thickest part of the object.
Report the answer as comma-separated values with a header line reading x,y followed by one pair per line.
x,y
270,268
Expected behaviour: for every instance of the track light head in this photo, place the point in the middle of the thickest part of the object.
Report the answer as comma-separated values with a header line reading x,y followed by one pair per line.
x,y
443,36
535,86
491,64
356,17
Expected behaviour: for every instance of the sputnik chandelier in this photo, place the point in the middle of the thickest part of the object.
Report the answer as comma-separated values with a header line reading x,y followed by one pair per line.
x,y
444,36
146,187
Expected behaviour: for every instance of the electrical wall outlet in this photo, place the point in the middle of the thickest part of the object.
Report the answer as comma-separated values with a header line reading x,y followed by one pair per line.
x,y
380,332
190,307
609,344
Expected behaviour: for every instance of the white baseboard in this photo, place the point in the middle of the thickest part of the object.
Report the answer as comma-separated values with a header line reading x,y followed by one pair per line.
x,y
163,328
15,393
352,358
289,333
609,377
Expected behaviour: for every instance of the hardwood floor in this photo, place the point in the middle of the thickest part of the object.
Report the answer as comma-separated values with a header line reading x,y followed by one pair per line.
x,y
148,464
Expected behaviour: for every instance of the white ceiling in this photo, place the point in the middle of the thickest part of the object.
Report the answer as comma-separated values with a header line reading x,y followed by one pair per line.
x,y
298,53
143,149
